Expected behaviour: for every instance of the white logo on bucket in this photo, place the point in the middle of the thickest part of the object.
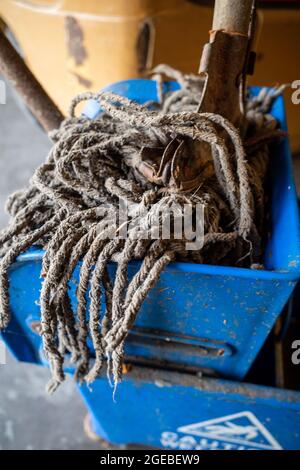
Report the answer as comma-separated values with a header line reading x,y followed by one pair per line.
x,y
238,431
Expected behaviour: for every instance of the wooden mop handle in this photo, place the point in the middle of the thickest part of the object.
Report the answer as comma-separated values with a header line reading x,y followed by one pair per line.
x,y
232,15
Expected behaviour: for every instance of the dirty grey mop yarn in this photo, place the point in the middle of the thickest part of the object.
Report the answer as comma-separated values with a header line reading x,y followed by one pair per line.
x,y
91,165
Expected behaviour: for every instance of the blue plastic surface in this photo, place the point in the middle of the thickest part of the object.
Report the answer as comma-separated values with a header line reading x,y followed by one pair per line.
x,y
179,411
198,316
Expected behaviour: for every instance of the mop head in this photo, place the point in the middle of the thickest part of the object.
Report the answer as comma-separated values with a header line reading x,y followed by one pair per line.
x,y
145,157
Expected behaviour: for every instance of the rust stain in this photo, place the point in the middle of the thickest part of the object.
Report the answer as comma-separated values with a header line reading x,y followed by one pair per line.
x,y
36,327
126,368
293,264
85,82
75,40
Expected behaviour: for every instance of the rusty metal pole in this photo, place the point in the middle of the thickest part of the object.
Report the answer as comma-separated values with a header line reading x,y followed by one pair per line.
x,y
14,69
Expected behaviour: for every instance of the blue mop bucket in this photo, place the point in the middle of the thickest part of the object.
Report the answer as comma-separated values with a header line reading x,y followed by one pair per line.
x,y
197,317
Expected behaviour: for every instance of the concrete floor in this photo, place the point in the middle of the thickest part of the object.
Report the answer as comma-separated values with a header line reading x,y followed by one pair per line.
x,y
29,418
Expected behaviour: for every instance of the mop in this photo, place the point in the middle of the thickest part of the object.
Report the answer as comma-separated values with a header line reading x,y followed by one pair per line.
x,y
150,157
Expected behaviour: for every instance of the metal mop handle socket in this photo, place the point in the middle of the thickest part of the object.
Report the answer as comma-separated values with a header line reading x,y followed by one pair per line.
x,y
225,59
